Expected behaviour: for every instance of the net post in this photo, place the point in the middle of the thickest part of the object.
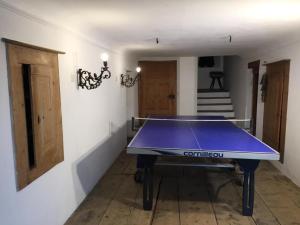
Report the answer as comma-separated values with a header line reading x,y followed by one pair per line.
x,y
132,124
251,126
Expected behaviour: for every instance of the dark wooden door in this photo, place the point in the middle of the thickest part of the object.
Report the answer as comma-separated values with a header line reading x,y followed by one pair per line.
x,y
254,66
157,88
275,107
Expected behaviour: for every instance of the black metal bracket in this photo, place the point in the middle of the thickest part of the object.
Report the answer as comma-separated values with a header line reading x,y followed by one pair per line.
x,y
127,80
86,80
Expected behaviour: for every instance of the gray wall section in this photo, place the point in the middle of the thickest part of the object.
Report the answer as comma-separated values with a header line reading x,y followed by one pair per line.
x,y
204,80
236,82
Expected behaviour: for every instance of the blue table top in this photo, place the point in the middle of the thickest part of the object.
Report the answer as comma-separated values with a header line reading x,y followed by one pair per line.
x,y
198,136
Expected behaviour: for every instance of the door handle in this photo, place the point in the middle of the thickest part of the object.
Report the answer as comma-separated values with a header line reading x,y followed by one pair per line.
x,y
171,96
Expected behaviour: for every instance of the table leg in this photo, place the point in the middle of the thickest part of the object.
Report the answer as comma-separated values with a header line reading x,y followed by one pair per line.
x,y
148,182
248,166
148,189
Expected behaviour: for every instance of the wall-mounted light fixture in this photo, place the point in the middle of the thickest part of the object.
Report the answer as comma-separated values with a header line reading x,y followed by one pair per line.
x,y
89,81
127,80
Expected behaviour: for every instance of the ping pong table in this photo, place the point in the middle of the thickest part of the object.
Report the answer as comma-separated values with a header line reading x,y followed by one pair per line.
x,y
210,137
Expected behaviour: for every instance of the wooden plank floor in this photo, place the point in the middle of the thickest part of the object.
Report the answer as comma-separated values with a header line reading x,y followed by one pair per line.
x,y
188,196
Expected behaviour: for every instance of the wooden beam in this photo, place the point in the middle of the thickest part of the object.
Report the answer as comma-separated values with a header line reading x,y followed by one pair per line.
x,y
31,46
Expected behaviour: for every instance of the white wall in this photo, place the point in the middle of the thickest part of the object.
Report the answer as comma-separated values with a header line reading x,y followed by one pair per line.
x,y
291,166
186,86
236,81
94,126
238,67
204,79
131,93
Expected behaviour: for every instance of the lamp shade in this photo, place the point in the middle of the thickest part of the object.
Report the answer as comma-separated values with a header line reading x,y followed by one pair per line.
x,y
104,57
138,69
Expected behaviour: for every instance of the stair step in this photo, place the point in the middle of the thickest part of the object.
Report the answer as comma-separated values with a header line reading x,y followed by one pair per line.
x,y
214,101
214,104
210,107
215,110
213,94
213,98
211,90
227,114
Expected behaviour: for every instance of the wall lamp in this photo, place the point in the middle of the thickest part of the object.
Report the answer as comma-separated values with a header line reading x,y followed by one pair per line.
x,y
89,81
127,80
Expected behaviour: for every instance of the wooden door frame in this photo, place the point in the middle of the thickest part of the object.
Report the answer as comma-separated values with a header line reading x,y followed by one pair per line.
x,y
23,63
255,80
139,84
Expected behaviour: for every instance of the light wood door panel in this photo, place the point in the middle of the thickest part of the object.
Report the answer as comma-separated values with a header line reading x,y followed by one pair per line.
x,y
35,95
157,88
44,122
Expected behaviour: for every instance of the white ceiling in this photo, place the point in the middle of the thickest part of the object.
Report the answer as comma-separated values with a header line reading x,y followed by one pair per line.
x,y
184,27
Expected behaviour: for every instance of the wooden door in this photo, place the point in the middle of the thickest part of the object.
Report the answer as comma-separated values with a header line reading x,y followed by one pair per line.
x,y
255,74
37,122
46,114
275,107
157,88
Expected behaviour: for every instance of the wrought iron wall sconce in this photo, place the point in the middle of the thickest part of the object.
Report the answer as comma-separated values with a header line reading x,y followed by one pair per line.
x,y
127,80
89,81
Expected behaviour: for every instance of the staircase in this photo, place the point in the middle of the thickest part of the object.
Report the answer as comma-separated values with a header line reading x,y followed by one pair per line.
x,y
214,103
